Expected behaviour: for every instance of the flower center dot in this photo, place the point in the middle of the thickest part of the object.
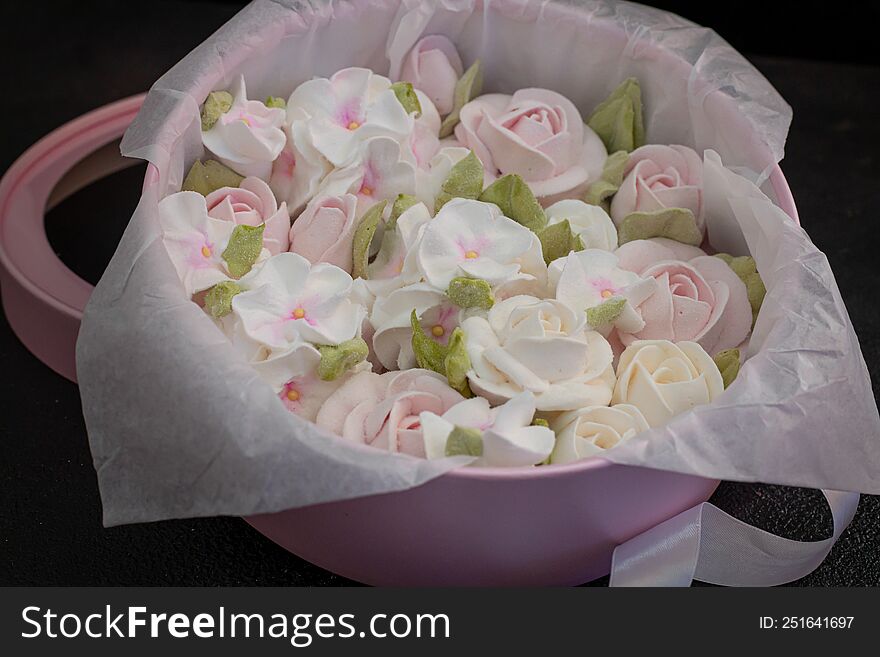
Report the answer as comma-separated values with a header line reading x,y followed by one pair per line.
x,y
246,122
293,395
366,191
354,125
437,330
299,313
471,255
607,294
206,251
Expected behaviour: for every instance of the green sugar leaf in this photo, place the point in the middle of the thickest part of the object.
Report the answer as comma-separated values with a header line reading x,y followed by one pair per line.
x,y
601,191
208,177
606,312
457,363
401,204
464,441
243,249
218,301
363,236
676,224
470,293
728,364
618,119
745,268
468,86
558,240
274,101
216,104
430,355
336,360
516,200
407,97
465,180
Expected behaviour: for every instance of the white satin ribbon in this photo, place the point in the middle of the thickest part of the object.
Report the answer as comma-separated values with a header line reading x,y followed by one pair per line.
x,y
707,544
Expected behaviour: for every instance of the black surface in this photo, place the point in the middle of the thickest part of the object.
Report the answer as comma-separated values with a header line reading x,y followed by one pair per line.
x,y
79,57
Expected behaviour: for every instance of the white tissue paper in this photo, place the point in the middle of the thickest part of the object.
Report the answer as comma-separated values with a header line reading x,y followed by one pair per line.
x,y
180,425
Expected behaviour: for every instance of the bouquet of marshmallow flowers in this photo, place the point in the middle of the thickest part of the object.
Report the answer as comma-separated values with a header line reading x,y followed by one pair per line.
x,y
427,270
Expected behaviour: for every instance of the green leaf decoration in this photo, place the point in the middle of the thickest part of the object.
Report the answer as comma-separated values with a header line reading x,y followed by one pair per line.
x,y
218,301
464,441
470,293
744,267
728,364
468,86
618,119
401,204
336,360
558,240
465,180
363,236
450,361
677,224
540,422
274,101
216,104
208,177
457,363
407,97
601,191
430,355
606,312
516,200
243,249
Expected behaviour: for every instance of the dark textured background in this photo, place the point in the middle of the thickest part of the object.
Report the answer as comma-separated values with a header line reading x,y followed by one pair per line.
x,y
63,63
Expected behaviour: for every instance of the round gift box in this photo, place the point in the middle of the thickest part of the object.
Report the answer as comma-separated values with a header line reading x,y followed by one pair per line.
x,y
552,525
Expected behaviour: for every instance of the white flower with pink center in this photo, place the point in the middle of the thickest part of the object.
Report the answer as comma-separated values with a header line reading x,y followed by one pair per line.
x,y
473,239
248,137
294,378
353,105
390,317
508,437
195,241
293,301
586,279
377,174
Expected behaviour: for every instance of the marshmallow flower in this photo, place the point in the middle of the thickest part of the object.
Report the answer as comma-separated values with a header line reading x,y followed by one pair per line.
x,y
508,437
293,301
698,297
589,278
342,112
658,177
590,222
542,346
590,431
434,66
536,133
383,410
390,317
377,173
324,232
195,241
473,239
664,379
251,204
248,137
